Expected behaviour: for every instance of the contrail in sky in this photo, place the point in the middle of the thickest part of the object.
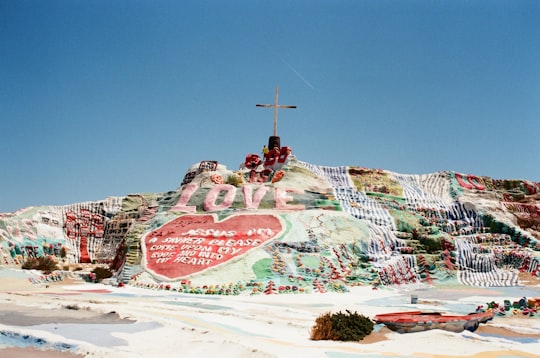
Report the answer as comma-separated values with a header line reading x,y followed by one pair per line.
x,y
299,75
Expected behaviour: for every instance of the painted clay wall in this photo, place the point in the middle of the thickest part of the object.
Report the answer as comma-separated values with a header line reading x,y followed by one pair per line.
x,y
300,226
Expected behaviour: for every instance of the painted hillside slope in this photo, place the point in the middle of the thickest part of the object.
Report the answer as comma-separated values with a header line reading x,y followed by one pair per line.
x,y
282,225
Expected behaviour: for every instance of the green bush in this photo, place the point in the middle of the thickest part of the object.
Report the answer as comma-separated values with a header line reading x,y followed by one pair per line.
x,y
102,273
44,263
341,327
234,179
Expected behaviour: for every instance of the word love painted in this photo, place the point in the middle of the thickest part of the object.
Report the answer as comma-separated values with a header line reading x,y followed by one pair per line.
x,y
194,243
252,199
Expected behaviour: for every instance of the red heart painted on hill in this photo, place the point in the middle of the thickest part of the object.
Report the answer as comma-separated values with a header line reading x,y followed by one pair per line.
x,y
193,243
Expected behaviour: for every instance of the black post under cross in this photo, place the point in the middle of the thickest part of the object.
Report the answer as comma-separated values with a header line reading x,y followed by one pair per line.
x,y
275,106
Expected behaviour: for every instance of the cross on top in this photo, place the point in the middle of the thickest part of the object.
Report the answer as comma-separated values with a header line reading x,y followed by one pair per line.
x,y
275,106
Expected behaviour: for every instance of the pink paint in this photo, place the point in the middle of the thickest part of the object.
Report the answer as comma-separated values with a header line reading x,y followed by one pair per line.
x,y
211,197
20,230
253,201
193,243
472,182
462,183
475,181
184,199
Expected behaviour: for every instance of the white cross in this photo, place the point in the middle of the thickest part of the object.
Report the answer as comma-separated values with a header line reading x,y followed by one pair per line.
x,y
275,106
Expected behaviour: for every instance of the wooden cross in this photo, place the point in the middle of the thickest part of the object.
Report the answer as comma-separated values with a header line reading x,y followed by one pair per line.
x,y
275,106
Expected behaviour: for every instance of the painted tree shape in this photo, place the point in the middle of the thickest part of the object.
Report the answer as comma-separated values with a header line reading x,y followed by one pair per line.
x,y
393,276
405,273
342,265
318,287
76,228
449,261
424,269
270,288
345,252
334,272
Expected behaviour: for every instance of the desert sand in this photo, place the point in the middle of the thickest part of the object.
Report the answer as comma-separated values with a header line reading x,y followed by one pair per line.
x,y
75,319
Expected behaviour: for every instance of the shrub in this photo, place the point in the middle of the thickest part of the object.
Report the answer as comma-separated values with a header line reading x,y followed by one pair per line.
x,y
341,327
30,263
322,330
44,263
72,307
102,273
234,179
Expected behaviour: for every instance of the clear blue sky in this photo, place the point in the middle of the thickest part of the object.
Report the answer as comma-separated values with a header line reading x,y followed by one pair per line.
x,y
101,98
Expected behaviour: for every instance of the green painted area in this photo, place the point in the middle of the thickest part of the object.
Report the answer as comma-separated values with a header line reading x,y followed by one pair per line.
x,y
134,202
406,221
262,269
397,199
168,200
329,204
311,261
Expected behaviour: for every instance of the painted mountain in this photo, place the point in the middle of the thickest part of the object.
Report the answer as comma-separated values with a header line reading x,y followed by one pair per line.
x,y
282,225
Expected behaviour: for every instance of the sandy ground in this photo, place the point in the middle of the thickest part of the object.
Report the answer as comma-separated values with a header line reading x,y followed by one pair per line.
x,y
32,352
73,319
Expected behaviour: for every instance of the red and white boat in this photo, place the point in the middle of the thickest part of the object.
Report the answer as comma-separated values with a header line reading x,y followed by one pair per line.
x,y
418,321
